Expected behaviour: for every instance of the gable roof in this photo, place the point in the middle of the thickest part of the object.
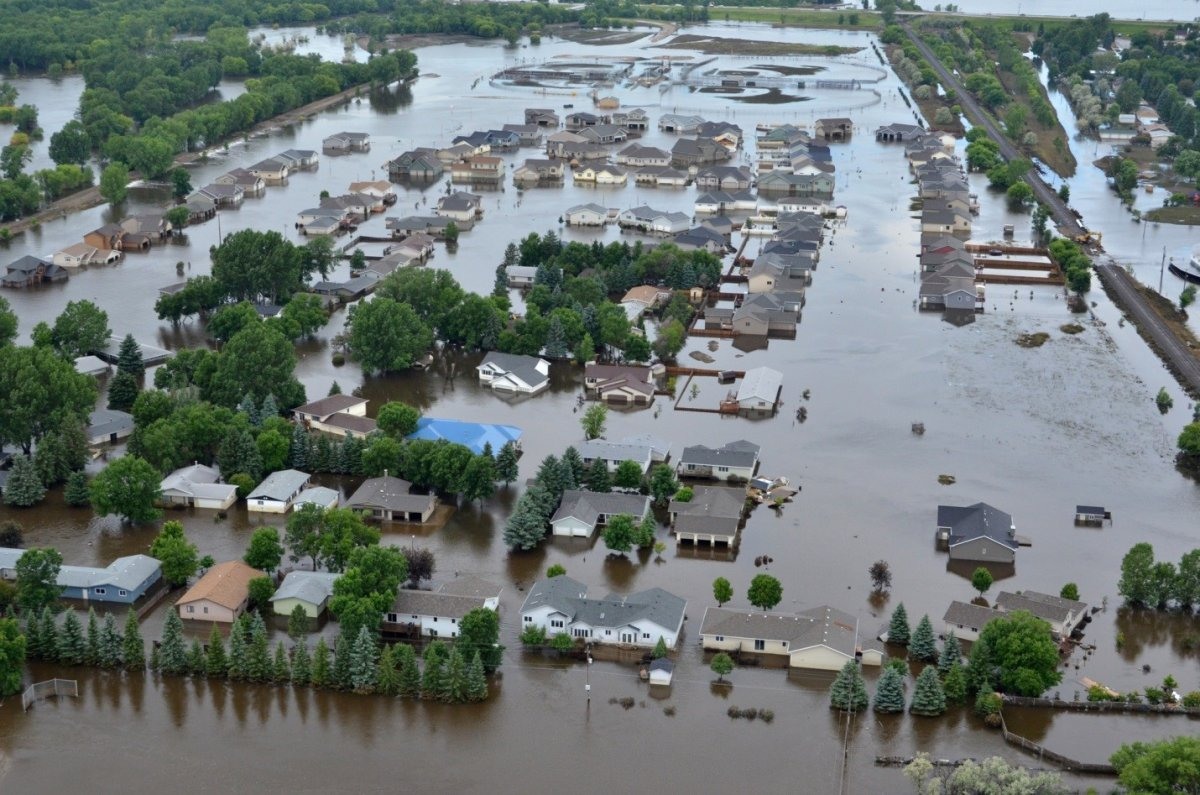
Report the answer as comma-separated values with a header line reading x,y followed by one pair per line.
x,y
627,450
569,597
226,584
469,434
433,603
470,585
313,587
762,383
965,614
330,405
1045,606
734,454
817,626
107,421
388,493
587,506
523,367
279,485
977,521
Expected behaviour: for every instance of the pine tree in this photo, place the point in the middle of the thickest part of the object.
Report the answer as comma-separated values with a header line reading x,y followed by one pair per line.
x,y
24,487
849,691
572,460
216,664
898,631
298,623
334,389
270,408
598,477
258,657
320,664
299,452
477,686
281,671
410,674
889,693
301,665
951,653
72,647
923,646
506,464
321,454
172,653
33,638
248,407
48,630
195,659
387,678
660,648
129,357
500,283
238,664
364,662
91,653
76,492
556,340
954,684
454,684
434,675
343,653
122,392
110,643
928,697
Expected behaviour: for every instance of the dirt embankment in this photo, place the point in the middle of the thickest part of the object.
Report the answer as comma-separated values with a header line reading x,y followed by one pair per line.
x,y
715,45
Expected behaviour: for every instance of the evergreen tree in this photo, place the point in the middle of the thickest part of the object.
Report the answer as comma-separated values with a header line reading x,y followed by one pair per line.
x,y
434,677
387,678
301,665
110,643
24,487
525,528
454,683
122,392
410,674
48,632
343,653
91,653
216,664
172,653
889,693
849,691
556,340
321,454
129,358
477,686
76,491
954,684
660,649
248,407
72,648
500,283
364,662
571,460
239,454
33,638
334,389
898,631
298,623
195,659
269,409
598,477
951,653
320,665
506,464
928,697
281,671
238,664
299,452
258,657
923,646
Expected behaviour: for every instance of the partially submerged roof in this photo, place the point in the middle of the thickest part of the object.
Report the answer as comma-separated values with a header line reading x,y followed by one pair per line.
x,y
527,368
587,506
280,485
226,584
388,493
740,453
761,383
966,614
313,587
818,626
330,405
977,521
1051,608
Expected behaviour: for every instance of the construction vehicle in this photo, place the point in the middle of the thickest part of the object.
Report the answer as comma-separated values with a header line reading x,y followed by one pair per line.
x,y
1088,238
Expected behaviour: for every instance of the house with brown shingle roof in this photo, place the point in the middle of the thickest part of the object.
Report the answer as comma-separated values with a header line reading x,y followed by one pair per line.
x,y
222,594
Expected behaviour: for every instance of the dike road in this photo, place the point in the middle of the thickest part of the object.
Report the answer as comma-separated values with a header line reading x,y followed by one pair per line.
x,y
1178,353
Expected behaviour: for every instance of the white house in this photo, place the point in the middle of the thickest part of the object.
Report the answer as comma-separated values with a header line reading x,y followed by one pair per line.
x,y
967,620
1063,615
737,460
342,415
438,613
586,215
613,453
271,170
278,491
759,390
639,155
510,372
581,512
647,219
821,638
197,486
561,605
80,254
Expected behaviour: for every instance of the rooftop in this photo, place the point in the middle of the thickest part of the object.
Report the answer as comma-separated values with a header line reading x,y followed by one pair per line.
x,y
225,584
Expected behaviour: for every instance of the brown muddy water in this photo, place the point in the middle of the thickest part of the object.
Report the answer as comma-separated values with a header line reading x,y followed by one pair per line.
x,y
1031,431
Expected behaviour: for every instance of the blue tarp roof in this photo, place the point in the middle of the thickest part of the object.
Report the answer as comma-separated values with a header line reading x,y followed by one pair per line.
x,y
473,435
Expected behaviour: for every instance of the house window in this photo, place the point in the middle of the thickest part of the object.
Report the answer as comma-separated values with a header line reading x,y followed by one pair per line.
x,y
100,592
528,619
608,632
391,618
719,638
759,645
206,608
645,636
122,592
191,608
433,633
555,623
435,619
454,621
415,618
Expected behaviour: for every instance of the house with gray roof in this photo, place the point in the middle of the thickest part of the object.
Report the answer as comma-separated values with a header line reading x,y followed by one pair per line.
x,y
311,590
759,391
581,512
820,638
586,215
32,270
323,496
1063,615
250,183
712,516
391,500
438,613
613,453
977,532
278,491
107,426
123,581
520,275
561,605
620,384
966,620
347,142
511,372
271,169
197,486
736,460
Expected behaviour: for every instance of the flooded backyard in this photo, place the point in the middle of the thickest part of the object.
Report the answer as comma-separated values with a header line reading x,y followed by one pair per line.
x,y
1031,431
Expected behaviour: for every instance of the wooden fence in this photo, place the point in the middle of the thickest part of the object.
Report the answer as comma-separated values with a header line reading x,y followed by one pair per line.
x,y
1045,754
1100,706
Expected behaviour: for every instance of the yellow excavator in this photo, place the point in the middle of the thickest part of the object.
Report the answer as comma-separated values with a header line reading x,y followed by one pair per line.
x,y
1088,238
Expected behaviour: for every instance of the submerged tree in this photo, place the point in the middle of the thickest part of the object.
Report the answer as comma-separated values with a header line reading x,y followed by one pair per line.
x,y
849,691
928,697
923,645
889,693
898,631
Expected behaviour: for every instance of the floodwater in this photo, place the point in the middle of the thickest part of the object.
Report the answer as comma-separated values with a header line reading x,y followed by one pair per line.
x,y
1032,431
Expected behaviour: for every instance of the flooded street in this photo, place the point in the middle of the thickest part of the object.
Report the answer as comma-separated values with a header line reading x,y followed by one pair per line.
x,y
1031,431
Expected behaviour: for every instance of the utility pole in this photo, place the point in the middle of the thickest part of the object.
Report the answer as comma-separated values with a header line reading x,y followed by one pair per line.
x,y
1162,265
588,668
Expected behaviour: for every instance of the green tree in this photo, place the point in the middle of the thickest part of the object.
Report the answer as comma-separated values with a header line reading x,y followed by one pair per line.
x,y
133,648
320,664
387,677
889,693
506,464
37,579
765,591
669,339
274,449
981,580
364,662
1189,440
12,657
265,552
172,654
434,675
179,557
923,645
618,533
72,145
951,653
129,358
298,623
216,664
301,665
410,674
8,323
258,651
479,634
76,492
594,421
1015,654
993,776
660,648
258,360
898,631
72,646
477,686
387,336
721,665
1187,297
181,183
1161,767
281,668
91,654
722,591
849,691
556,570
928,697
122,392
1070,591
454,683
110,643
367,588
954,684
628,475
479,478
1137,583
662,484
261,589
598,478
24,488
114,183
643,534
397,419
585,351
128,487
48,634
42,393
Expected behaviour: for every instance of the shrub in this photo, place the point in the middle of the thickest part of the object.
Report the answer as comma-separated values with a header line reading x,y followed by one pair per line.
x,y
1192,700
988,703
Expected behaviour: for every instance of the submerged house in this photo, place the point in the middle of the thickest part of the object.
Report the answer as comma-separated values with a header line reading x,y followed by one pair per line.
x,y
821,638
30,270
581,512
391,500
511,372
712,516
733,461
197,486
340,415
438,613
278,491
472,435
124,581
977,532
347,142
311,590
561,605
221,595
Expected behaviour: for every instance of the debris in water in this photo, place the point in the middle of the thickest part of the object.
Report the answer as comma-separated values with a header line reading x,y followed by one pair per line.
x,y
947,480
918,428
701,356
1071,328
1035,340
